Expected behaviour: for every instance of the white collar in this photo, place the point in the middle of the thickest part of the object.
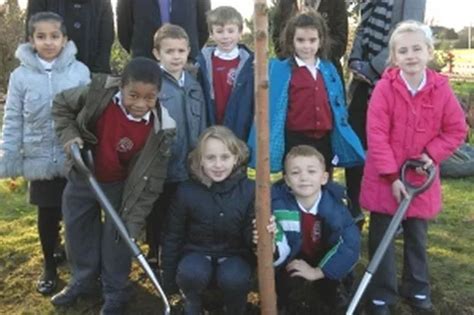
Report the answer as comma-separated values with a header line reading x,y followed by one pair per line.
x,y
47,65
234,53
118,101
314,208
180,80
417,89
312,69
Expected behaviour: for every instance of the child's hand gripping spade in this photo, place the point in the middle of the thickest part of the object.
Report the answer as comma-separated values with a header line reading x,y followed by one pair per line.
x,y
407,192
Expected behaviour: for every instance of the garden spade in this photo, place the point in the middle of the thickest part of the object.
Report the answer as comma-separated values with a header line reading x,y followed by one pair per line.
x,y
392,228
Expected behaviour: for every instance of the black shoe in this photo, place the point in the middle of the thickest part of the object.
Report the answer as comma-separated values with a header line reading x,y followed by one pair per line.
x,y
424,306
46,285
113,307
68,295
373,309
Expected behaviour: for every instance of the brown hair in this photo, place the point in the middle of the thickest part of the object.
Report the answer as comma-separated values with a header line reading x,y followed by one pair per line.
x,y
236,146
306,19
224,15
306,151
169,31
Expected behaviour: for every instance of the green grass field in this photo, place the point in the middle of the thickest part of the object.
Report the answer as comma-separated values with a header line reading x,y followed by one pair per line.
x,y
451,252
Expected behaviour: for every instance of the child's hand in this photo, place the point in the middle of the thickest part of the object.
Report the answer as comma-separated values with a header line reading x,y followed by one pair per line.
x,y
300,268
399,190
67,146
271,228
425,158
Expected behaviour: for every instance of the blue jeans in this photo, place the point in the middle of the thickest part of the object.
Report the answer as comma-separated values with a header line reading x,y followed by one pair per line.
x,y
231,275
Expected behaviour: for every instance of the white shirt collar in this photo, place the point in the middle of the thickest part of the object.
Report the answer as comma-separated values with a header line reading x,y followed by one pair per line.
x,y
314,208
234,53
118,101
312,70
181,78
420,86
47,65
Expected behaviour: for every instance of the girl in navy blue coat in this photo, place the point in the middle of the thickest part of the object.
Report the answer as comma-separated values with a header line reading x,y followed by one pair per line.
x,y
209,236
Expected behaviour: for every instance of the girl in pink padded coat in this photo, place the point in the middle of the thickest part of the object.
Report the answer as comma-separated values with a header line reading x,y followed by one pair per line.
x,y
412,114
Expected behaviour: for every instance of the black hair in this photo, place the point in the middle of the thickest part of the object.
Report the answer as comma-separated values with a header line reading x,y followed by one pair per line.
x,y
46,16
141,69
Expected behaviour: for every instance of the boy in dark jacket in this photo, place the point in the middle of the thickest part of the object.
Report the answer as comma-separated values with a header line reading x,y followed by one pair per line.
x,y
316,239
130,140
89,24
226,73
138,20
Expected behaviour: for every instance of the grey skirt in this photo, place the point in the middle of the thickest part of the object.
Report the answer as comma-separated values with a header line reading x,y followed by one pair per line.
x,y
46,193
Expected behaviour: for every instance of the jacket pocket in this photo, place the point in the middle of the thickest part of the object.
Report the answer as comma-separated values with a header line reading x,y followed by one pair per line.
x,y
155,184
196,102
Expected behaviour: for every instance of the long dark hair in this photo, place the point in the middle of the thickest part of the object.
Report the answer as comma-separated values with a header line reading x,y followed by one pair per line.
x,y
311,19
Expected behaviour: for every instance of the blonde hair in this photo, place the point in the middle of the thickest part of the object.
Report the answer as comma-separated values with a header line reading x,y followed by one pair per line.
x,y
224,15
306,151
236,146
409,26
169,31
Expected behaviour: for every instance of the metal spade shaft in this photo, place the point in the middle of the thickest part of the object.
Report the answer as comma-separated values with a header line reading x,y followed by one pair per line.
x,y
392,228
117,221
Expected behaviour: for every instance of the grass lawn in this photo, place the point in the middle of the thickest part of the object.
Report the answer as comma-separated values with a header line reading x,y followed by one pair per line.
x,y
451,253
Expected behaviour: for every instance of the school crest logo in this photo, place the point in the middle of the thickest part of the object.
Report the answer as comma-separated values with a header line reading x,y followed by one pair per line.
x,y
124,145
231,75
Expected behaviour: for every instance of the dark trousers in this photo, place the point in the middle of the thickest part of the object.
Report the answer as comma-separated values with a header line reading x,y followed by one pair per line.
x,y
231,275
300,296
358,120
323,145
415,265
94,248
155,220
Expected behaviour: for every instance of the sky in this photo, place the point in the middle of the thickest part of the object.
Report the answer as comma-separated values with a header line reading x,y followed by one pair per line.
x,y
452,13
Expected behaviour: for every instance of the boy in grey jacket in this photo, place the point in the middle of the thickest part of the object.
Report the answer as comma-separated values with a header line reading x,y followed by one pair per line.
x,y
182,96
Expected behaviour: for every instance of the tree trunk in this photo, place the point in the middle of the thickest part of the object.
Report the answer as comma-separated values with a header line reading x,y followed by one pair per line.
x,y
266,277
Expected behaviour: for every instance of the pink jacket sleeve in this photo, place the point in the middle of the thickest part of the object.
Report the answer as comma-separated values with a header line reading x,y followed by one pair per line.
x,y
378,131
453,129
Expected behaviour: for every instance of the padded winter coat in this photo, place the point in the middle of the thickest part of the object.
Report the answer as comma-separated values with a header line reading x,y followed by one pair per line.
x,y
400,127
214,221
29,144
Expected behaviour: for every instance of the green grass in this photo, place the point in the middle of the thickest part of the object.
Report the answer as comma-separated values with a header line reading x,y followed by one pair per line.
x,y
451,252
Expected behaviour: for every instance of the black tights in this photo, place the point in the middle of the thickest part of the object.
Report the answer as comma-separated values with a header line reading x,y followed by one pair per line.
x,y
48,229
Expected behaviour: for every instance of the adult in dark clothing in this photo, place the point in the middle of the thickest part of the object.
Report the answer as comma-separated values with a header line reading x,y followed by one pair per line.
x,y
138,20
333,11
367,61
89,24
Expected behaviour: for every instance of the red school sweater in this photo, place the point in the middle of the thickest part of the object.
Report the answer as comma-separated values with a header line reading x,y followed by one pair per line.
x,y
119,139
308,111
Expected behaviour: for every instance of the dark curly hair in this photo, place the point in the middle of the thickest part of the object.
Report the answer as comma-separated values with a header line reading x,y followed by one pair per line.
x,y
306,19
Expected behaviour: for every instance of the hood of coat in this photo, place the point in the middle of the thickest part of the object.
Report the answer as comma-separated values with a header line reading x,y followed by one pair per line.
x,y
27,56
433,79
